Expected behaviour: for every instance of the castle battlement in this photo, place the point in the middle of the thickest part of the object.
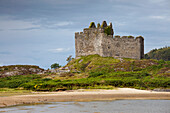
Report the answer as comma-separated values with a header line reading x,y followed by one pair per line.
x,y
128,38
90,30
100,40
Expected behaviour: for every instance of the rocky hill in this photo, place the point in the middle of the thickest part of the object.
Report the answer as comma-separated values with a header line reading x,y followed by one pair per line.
x,y
13,70
162,53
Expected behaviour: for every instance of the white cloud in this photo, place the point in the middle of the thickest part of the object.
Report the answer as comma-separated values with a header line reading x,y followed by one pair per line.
x,y
158,17
59,24
60,2
119,23
6,24
58,50
157,1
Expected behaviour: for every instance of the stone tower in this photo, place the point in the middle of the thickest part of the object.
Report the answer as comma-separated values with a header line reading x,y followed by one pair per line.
x,y
100,41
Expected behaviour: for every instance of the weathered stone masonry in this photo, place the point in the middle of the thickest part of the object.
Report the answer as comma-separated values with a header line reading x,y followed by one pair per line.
x,y
95,41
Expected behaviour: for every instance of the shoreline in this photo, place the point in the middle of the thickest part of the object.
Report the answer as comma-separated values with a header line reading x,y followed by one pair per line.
x,y
82,95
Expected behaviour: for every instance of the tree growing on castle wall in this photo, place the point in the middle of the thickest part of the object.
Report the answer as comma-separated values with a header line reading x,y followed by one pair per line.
x,y
108,30
92,25
98,25
104,24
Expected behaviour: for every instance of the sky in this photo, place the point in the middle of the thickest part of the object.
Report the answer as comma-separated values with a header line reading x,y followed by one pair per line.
x,y
41,32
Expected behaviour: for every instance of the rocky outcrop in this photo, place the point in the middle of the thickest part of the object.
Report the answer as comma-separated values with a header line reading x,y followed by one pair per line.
x,y
59,70
13,70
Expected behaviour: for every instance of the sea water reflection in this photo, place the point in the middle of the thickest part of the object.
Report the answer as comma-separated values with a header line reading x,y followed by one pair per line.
x,y
116,106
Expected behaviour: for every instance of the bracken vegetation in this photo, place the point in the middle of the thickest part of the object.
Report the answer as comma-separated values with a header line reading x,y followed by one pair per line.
x,y
94,71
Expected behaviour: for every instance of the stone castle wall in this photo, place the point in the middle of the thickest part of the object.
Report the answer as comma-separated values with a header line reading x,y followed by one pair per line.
x,y
95,41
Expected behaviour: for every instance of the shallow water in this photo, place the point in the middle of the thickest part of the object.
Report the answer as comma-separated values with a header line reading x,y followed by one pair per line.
x,y
116,106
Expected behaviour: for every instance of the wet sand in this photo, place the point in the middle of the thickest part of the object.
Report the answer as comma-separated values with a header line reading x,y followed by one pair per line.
x,y
82,95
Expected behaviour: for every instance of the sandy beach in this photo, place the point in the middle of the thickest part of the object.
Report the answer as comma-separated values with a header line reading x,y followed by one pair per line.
x,y
82,95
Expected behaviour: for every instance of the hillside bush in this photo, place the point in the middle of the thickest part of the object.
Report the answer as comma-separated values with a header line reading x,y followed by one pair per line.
x,y
95,74
161,53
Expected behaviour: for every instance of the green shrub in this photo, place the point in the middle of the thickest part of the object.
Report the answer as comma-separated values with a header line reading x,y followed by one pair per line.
x,y
92,25
28,86
161,62
16,81
55,66
114,82
5,68
98,25
46,79
131,82
108,30
95,74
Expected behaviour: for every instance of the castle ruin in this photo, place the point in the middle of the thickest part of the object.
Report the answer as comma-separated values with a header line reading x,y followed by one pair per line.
x,y
101,41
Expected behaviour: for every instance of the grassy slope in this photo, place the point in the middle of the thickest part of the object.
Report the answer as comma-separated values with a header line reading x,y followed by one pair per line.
x,y
98,72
